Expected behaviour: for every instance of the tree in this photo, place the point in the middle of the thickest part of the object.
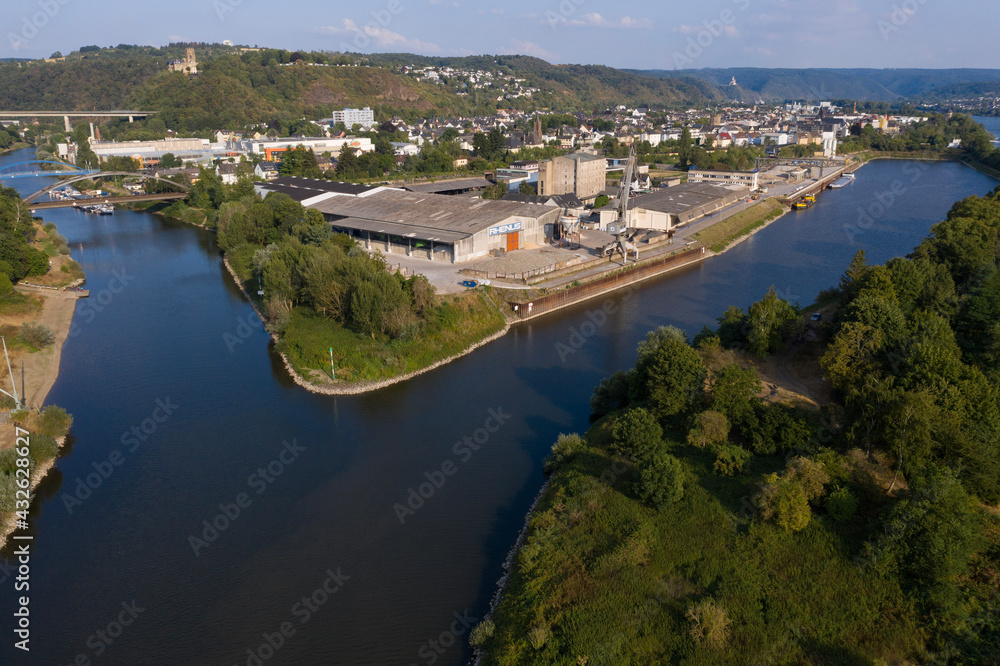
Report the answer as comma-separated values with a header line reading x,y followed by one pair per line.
x,y
767,321
661,481
527,189
636,435
734,391
170,161
684,152
601,201
851,355
711,428
930,537
674,379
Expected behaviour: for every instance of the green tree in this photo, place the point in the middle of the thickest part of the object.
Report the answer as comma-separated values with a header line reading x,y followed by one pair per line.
x,y
767,322
661,481
170,161
673,379
636,435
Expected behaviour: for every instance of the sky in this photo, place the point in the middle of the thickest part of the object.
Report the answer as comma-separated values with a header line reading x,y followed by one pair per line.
x,y
668,34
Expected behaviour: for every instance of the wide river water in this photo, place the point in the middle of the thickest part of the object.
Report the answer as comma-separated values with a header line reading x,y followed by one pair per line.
x,y
175,335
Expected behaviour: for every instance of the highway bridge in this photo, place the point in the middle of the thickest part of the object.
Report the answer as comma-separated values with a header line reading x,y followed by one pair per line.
x,y
66,115
36,168
32,198
94,201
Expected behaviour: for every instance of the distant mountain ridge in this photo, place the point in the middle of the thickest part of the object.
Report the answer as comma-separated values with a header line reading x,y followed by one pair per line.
x,y
879,85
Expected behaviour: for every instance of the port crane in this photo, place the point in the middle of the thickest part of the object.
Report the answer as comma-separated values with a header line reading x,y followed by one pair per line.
x,y
621,223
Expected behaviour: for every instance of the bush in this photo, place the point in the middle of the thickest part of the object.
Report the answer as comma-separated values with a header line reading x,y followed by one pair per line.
x,y
711,428
709,624
661,482
37,335
481,633
565,448
538,636
841,504
730,460
6,287
636,435
53,421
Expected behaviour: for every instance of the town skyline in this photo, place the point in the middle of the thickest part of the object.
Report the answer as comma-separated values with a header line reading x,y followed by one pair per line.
x,y
726,33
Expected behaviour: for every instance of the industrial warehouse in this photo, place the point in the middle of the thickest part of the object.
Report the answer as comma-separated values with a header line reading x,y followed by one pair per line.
x,y
452,229
672,207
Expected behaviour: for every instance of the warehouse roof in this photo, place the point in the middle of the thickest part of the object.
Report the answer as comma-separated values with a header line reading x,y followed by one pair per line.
x,y
449,185
685,197
427,216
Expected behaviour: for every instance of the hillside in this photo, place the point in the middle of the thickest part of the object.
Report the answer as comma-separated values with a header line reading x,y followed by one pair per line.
x,y
815,84
234,89
576,87
702,520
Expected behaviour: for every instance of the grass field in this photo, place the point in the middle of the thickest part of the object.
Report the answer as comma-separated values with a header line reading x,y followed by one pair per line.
x,y
604,579
719,236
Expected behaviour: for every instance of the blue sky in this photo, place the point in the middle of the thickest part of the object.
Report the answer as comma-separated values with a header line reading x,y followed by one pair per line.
x,y
651,35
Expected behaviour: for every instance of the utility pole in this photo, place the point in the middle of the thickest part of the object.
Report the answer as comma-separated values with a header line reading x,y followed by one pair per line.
x,y
333,374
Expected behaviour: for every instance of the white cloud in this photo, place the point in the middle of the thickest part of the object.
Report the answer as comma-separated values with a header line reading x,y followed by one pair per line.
x,y
519,47
595,20
362,37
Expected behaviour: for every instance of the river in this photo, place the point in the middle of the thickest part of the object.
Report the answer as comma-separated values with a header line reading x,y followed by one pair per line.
x,y
992,125
170,345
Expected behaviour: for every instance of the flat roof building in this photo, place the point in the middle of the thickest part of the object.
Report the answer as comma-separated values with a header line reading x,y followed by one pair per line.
x,y
749,179
424,225
581,174
675,206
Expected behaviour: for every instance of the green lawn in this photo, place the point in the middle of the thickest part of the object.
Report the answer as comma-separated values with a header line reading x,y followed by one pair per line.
x,y
720,235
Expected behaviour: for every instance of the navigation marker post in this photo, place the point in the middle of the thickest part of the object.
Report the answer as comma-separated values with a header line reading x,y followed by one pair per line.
x,y
13,384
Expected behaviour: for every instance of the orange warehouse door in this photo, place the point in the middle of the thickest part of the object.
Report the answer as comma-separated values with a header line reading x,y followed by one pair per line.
x,y
514,241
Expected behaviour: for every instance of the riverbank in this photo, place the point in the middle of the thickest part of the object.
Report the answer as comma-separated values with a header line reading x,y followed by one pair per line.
x,y
354,388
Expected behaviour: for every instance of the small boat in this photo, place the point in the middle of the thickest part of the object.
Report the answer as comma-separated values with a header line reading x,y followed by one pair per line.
x,y
843,181
805,202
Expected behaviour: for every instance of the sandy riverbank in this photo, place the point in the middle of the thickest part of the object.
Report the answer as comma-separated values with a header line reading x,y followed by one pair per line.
x,y
41,369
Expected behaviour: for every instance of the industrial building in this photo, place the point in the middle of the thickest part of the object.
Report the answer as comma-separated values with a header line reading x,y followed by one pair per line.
x,y
749,179
424,225
675,206
270,148
581,174
351,117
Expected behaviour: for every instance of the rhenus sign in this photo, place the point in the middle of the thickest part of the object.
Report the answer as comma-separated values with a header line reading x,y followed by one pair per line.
x,y
505,229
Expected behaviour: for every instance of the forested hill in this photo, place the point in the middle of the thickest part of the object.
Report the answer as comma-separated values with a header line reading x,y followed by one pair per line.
x,y
234,89
816,84
570,87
